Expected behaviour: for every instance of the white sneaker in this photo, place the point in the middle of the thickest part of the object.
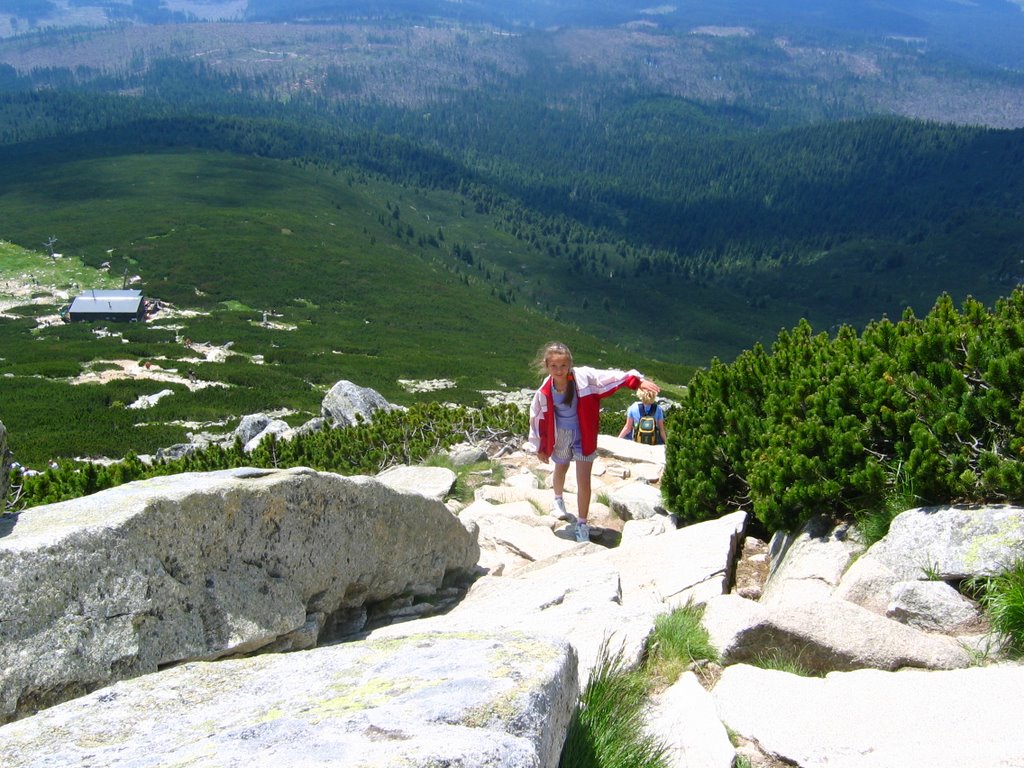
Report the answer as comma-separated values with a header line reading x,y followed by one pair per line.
x,y
559,511
582,531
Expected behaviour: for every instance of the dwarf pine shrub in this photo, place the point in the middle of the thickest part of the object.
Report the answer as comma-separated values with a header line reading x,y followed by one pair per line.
x,y
392,437
839,424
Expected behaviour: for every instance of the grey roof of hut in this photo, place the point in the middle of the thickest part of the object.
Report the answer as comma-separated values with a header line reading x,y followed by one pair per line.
x,y
106,302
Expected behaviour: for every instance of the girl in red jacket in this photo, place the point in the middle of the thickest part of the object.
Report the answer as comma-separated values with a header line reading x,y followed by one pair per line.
x,y
564,420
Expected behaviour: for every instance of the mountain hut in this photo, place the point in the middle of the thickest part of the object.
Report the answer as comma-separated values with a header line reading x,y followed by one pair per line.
x,y
98,304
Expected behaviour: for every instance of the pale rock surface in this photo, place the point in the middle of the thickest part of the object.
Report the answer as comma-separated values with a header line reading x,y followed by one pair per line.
x,y
469,699
637,501
647,472
432,482
523,480
927,544
652,526
274,427
513,535
809,564
824,635
691,564
148,401
504,494
591,595
567,598
683,717
345,401
935,606
316,424
251,425
968,718
523,512
466,455
204,565
627,450
934,544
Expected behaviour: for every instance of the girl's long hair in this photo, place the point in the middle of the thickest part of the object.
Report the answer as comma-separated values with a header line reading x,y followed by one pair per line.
x,y
541,364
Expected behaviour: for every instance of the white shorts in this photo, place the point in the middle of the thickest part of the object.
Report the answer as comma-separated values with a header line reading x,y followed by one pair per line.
x,y
568,447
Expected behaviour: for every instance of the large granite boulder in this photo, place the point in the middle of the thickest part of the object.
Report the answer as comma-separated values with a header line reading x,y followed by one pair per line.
x,y
426,700
202,566
251,425
938,544
432,482
345,401
637,501
807,565
823,636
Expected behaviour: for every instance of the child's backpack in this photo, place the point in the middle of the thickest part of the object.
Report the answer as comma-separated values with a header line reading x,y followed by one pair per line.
x,y
646,429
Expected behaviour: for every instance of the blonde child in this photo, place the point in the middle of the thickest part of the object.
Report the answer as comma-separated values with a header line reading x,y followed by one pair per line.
x,y
647,401
564,421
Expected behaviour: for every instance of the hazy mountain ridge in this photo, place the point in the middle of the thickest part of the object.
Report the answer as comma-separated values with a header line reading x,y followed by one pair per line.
x,y
986,31
421,64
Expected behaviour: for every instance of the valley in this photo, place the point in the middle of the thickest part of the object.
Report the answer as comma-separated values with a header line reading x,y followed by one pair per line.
x,y
396,194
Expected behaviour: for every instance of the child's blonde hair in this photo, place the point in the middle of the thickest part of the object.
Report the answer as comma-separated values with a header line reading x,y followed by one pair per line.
x,y
647,397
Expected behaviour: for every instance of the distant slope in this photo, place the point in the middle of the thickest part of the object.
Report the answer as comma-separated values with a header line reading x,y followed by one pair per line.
x,y
295,276
985,32
676,231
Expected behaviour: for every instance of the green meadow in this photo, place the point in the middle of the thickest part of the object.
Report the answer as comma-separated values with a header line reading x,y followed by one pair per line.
x,y
298,276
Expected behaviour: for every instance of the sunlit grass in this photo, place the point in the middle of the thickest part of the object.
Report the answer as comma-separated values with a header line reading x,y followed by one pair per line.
x,y
608,729
1002,597
679,641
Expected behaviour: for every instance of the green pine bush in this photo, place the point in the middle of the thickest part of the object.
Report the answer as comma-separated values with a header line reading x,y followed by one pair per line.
x,y
841,424
405,436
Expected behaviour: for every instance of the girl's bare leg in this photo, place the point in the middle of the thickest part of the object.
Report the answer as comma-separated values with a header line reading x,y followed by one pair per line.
x,y
558,478
583,469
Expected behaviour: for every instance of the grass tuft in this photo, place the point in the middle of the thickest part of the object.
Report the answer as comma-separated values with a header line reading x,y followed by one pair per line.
x,y
678,642
874,523
608,728
1002,597
784,661
467,476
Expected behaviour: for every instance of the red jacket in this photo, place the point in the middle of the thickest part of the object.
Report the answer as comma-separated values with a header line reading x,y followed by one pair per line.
x,y
592,384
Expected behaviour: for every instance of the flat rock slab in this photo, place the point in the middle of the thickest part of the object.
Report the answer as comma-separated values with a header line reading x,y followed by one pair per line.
x,y
966,718
467,699
590,596
432,482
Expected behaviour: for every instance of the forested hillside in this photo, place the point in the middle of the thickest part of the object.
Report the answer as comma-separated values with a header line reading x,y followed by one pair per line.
x,y
416,205
683,230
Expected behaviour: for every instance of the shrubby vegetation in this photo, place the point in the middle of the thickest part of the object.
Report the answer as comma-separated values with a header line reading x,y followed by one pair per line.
x,y
928,410
426,324
391,438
